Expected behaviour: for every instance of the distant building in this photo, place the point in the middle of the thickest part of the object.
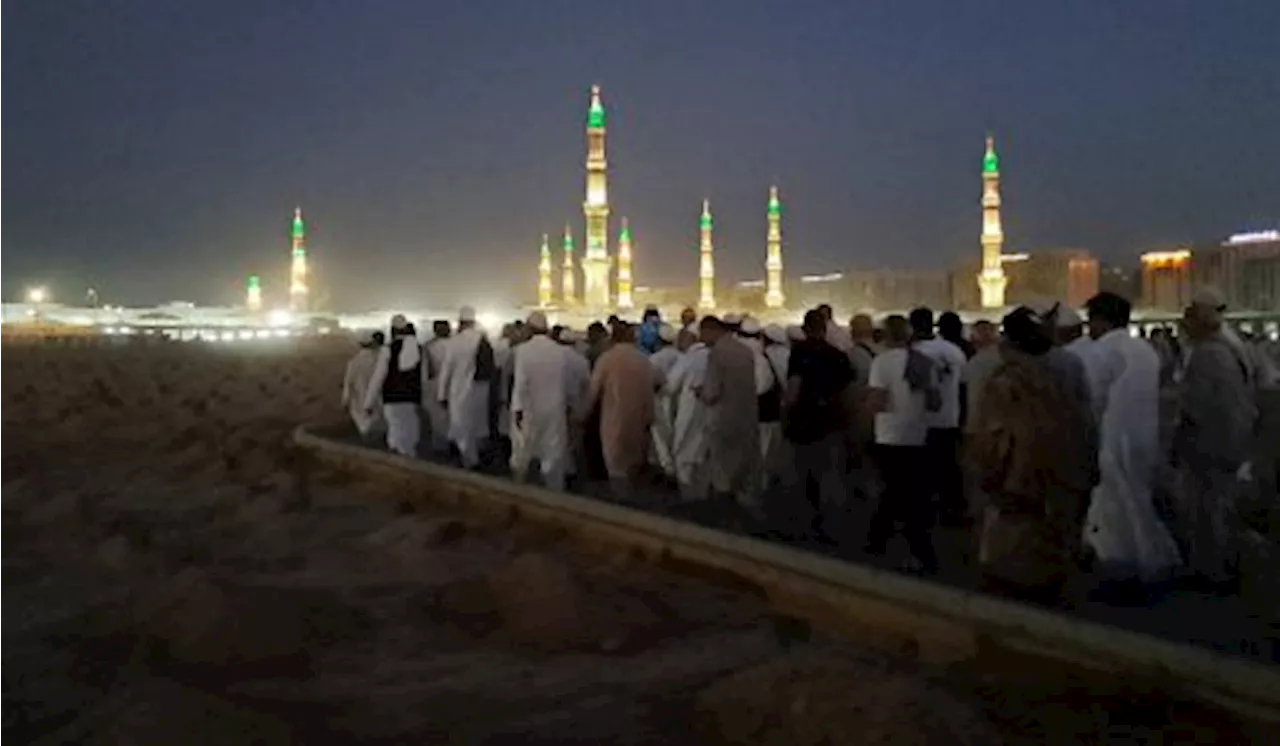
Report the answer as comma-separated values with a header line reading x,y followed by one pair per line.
x,y
1245,268
880,290
1123,281
1166,279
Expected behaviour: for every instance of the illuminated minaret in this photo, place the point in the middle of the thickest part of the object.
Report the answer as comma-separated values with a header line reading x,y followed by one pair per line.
x,y
624,267
544,275
568,287
991,280
253,294
595,261
773,297
298,275
706,265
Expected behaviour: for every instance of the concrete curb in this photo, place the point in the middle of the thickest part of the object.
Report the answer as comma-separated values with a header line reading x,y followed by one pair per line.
x,y
935,622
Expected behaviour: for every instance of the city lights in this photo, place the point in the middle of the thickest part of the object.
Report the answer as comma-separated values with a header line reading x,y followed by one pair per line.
x,y
37,294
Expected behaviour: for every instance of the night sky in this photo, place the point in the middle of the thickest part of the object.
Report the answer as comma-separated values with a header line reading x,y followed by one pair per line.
x,y
156,149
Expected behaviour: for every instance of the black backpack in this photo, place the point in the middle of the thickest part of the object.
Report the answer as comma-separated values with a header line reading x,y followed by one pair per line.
x,y
922,373
486,368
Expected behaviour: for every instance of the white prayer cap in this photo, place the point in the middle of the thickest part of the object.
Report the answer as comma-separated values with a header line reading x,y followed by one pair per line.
x,y
750,326
776,333
795,333
667,333
692,329
537,320
1209,297
399,321
466,313
732,318
1068,317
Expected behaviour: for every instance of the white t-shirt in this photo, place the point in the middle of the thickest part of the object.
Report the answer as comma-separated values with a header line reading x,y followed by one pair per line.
x,y
949,363
904,422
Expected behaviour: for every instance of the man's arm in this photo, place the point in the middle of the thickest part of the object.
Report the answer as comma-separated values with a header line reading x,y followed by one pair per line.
x,y
711,383
374,391
878,387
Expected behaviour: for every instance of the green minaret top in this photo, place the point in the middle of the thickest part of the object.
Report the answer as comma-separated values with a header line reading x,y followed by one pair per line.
x,y
546,249
299,230
254,282
568,240
705,223
595,115
625,234
991,161
775,207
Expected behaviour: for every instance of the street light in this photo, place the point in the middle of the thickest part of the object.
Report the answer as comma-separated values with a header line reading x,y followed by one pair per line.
x,y
37,295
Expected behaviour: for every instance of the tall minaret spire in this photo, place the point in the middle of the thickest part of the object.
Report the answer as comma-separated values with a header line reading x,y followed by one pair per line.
x,y
991,280
595,262
624,267
298,273
706,264
544,275
773,297
253,294
568,289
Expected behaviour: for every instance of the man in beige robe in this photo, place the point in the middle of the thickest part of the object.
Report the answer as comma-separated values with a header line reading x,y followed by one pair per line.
x,y
729,391
623,384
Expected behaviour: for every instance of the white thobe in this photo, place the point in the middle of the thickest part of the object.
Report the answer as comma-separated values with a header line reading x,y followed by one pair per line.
x,y
468,399
663,421
355,385
403,426
690,445
540,401
1122,526
437,415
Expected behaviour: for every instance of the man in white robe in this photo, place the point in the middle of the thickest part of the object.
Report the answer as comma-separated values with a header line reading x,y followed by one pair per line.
x,y
663,360
397,382
1122,527
690,446
465,398
432,366
355,384
540,405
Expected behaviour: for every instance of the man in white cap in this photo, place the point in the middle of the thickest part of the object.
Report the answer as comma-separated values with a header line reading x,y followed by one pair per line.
x,y
355,384
540,406
464,387
577,385
663,360
1214,440
1069,333
397,378
1122,528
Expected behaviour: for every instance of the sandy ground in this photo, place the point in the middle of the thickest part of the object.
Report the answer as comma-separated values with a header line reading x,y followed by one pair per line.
x,y
175,572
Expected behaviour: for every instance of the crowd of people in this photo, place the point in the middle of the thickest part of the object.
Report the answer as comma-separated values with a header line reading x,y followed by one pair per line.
x,y
1039,435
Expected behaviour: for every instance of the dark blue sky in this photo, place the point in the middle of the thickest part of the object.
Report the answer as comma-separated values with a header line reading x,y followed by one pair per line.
x,y
156,149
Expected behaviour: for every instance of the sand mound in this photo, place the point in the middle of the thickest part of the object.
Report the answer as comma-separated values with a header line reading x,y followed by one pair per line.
x,y
538,602
411,538
197,620
805,699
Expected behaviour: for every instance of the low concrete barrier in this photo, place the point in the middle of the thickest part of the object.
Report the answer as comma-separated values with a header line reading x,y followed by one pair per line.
x,y
935,622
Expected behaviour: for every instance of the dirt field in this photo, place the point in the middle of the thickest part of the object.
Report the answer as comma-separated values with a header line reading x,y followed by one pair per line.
x,y
175,572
